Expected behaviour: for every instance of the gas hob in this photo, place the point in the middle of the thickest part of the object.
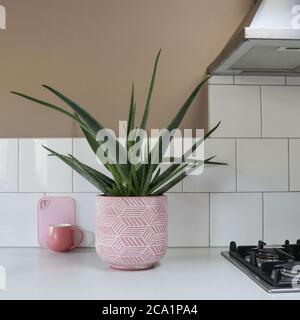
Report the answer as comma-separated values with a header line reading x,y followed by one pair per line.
x,y
276,269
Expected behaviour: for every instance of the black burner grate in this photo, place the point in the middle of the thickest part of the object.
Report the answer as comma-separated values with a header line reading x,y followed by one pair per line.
x,y
274,265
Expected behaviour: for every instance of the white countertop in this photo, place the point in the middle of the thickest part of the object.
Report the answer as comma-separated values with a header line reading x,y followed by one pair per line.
x,y
34,273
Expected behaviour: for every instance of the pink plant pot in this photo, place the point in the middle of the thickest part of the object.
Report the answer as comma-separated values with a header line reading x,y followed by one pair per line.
x,y
131,232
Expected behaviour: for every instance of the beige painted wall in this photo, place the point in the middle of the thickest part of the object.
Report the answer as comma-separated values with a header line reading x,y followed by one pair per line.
x,y
92,49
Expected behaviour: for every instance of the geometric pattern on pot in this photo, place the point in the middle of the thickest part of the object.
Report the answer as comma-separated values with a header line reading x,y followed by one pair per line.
x,y
131,232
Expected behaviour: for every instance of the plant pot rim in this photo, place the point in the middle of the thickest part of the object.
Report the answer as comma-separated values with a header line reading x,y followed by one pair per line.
x,y
133,197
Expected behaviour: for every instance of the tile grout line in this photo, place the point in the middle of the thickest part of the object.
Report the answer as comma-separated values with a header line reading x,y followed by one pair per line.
x,y
252,84
289,166
253,138
18,163
261,112
209,238
236,165
72,150
263,216
177,192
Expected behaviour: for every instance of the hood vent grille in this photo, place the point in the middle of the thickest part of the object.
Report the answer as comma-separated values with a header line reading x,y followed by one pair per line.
x,y
268,58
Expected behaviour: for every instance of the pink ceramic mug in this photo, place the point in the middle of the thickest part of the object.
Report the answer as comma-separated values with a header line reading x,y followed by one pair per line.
x,y
61,237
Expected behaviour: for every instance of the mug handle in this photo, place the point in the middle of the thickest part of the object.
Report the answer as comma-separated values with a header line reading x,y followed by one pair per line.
x,y
74,229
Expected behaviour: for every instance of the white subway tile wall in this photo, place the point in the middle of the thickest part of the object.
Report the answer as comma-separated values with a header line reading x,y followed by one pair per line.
x,y
40,173
9,165
293,81
235,216
188,216
83,153
262,165
215,178
254,197
280,112
238,108
281,217
18,219
294,148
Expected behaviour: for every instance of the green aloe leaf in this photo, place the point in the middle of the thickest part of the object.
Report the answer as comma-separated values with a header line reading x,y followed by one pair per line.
x,y
175,123
131,117
163,175
157,174
146,183
89,125
216,163
176,180
158,150
199,142
135,180
149,97
97,174
112,168
49,105
99,183
93,143
93,125
167,178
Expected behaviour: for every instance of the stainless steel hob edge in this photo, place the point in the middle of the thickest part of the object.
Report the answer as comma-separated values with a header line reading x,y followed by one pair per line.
x,y
263,284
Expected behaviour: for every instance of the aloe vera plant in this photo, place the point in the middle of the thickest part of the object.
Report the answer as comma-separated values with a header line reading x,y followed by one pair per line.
x,y
141,179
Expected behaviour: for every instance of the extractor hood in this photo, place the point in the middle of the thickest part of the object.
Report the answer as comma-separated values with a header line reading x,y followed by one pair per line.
x,y
266,43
